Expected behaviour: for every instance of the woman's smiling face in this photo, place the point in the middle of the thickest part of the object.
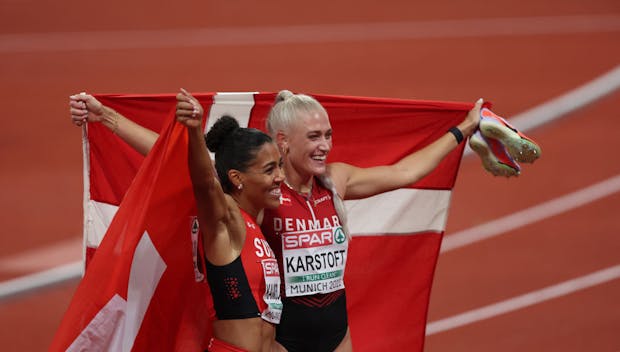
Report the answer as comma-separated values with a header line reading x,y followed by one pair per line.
x,y
262,179
309,143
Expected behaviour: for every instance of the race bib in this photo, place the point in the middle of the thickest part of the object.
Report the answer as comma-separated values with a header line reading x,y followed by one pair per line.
x,y
272,291
314,261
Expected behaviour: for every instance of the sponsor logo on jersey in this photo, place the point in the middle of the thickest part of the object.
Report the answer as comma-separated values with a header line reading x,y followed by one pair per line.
x,y
322,199
194,232
308,239
270,267
339,235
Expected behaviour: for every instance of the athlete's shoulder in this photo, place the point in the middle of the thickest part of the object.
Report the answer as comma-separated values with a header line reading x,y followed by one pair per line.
x,y
338,174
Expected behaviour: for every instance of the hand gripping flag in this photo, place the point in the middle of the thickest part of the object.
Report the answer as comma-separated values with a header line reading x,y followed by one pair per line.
x,y
391,261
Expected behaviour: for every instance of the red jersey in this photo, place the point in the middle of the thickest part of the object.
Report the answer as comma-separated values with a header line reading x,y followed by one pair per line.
x,y
308,238
250,285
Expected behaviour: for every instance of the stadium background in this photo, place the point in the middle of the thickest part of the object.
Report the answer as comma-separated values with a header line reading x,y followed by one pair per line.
x,y
517,54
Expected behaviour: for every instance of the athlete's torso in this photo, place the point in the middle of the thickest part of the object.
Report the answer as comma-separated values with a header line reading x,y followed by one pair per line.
x,y
309,241
249,286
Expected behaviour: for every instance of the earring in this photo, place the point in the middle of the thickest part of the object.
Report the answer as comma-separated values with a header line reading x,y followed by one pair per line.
x,y
240,186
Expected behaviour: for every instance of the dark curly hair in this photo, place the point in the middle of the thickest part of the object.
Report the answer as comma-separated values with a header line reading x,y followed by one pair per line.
x,y
235,147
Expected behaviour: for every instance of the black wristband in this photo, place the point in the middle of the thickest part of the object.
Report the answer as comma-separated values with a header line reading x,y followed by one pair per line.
x,y
457,134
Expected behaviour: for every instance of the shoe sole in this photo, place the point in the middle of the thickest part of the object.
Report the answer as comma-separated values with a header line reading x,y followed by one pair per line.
x,y
521,149
489,160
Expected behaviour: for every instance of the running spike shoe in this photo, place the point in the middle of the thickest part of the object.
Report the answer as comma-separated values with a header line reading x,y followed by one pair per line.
x,y
495,158
518,145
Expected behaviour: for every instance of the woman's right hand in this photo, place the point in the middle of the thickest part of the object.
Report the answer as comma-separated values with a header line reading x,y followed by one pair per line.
x,y
85,108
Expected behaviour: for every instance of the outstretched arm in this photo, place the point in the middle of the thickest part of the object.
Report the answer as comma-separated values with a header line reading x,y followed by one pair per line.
x,y
216,210
86,108
354,182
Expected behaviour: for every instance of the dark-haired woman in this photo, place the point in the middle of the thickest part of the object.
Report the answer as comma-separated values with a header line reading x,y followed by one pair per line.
x,y
242,271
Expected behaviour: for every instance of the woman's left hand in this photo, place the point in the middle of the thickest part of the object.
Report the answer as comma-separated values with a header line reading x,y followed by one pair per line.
x,y
470,124
189,111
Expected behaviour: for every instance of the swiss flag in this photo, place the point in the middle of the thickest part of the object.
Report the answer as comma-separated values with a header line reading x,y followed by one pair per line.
x,y
142,290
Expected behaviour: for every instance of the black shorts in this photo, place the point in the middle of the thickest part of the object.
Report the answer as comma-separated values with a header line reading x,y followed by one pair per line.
x,y
312,329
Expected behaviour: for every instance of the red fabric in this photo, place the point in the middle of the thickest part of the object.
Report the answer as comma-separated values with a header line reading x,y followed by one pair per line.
x,y
160,202
388,278
276,228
